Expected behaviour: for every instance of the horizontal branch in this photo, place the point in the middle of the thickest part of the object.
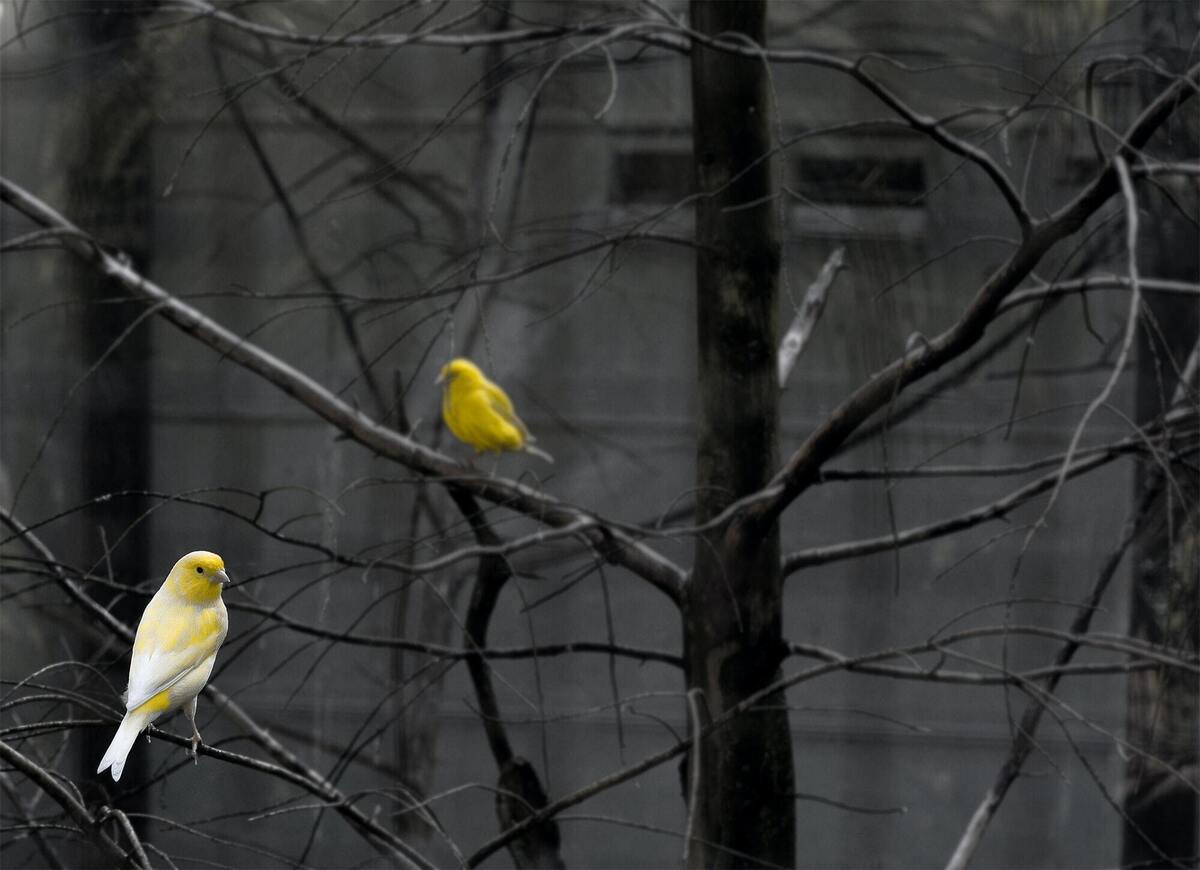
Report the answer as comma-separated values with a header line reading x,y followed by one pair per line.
x,y
975,678
992,511
434,36
1097,282
54,570
1132,444
643,654
1149,170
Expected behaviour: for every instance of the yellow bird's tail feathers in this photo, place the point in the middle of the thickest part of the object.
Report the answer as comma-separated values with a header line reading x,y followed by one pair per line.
x,y
122,742
538,452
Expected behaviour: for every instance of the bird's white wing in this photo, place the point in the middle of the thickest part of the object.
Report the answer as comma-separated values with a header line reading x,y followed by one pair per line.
x,y
499,402
172,639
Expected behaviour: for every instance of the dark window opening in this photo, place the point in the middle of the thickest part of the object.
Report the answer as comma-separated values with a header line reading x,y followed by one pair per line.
x,y
859,180
651,176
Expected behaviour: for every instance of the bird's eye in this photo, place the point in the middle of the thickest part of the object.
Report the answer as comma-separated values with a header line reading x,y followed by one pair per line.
x,y
199,570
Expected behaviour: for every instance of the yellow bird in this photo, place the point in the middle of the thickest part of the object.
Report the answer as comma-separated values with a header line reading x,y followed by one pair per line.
x,y
480,414
173,652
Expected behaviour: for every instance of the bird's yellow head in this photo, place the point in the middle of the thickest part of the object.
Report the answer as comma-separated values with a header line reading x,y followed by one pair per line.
x,y
459,367
199,576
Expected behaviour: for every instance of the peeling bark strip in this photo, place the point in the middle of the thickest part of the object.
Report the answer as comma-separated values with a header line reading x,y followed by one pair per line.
x,y
807,315
744,814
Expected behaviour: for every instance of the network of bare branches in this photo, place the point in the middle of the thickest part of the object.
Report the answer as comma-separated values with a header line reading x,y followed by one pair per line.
x,y
377,563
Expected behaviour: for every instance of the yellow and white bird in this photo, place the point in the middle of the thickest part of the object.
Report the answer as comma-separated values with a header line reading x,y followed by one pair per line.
x,y
173,652
479,412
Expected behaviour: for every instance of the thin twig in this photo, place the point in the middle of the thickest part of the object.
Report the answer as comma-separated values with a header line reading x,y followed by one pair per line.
x,y
695,699
79,814
802,468
309,778
1023,740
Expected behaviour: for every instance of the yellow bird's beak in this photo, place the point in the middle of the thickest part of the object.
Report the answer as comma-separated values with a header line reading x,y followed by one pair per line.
x,y
221,577
441,377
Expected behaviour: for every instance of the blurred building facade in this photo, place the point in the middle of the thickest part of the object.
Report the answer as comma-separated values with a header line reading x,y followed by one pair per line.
x,y
598,352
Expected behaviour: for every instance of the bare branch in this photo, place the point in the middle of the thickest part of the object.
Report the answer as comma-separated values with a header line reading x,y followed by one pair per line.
x,y
1023,740
375,833
930,126
807,315
135,843
992,511
614,544
695,708
1131,444
1149,170
1096,282
520,793
434,36
801,469
35,833
742,707
88,825
300,237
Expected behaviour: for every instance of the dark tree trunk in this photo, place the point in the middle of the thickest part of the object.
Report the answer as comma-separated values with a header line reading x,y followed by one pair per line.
x,y
743,813
108,174
1162,706
519,792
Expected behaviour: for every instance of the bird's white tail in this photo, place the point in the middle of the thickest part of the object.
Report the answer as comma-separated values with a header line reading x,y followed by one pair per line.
x,y
122,742
539,453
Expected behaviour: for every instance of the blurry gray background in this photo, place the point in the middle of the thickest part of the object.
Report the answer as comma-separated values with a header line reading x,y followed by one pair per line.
x,y
119,121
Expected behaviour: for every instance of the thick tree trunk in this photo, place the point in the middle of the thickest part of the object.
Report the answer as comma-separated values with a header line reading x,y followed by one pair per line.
x,y
108,175
743,810
1163,706
1163,713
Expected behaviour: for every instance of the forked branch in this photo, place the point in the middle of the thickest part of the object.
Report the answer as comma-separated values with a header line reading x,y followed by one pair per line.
x,y
802,468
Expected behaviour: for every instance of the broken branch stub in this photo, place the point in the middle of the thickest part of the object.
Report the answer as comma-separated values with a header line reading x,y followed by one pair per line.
x,y
805,321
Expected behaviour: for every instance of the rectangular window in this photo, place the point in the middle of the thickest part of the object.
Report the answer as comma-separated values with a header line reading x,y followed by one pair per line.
x,y
859,180
651,176
869,188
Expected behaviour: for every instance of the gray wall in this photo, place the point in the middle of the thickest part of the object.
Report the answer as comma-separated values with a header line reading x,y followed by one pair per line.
x,y
598,355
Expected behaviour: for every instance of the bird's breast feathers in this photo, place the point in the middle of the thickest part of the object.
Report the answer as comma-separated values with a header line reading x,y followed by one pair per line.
x,y
173,639
481,415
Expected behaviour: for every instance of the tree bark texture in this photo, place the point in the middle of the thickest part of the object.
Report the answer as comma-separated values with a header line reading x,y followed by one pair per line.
x,y
108,176
1163,706
519,791
743,811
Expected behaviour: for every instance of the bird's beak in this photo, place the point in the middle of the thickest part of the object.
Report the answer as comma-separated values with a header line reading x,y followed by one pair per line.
x,y
441,377
221,577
